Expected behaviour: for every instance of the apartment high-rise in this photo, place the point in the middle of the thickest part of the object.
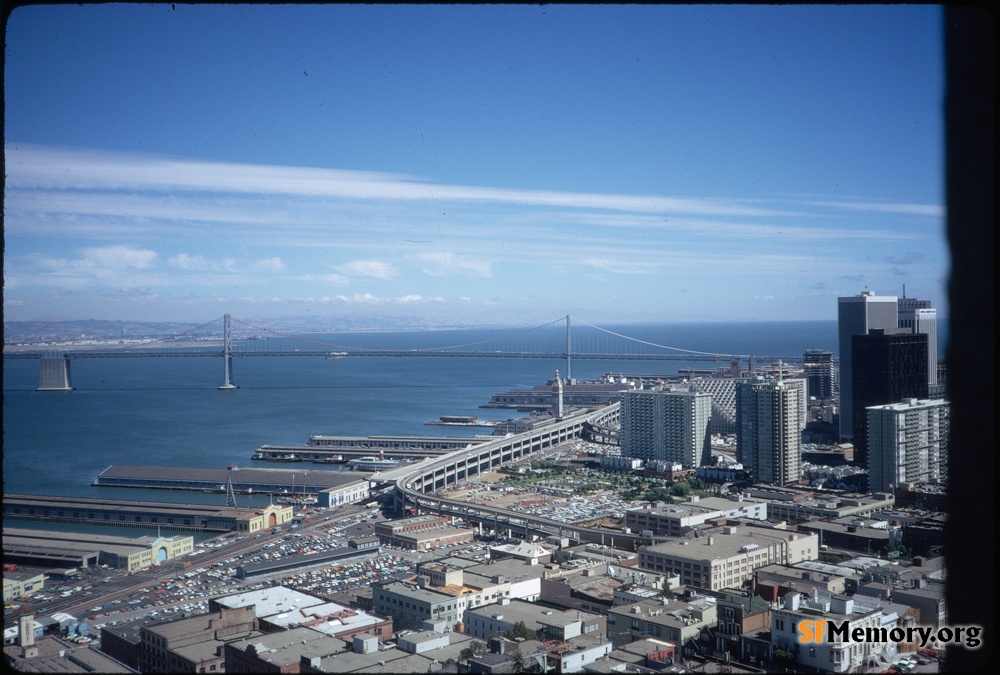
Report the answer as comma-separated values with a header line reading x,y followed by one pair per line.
x,y
667,424
856,316
889,365
769,440
907,443
818,367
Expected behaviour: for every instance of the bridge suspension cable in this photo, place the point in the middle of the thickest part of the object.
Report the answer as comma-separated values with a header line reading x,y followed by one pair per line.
x,y
413,350
649,344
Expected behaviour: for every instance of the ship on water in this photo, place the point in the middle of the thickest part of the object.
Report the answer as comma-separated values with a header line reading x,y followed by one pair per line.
x,y
297,500
379,463
462,421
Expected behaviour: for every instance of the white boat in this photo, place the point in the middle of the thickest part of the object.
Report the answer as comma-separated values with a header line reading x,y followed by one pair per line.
x,y
373,464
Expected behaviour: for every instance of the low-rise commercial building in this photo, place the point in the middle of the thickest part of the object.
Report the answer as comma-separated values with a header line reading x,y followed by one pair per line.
x,y
420,533
726,557
281,652
674,520
349,492
677,621
794,505
831,653
17,585
545,623
160,643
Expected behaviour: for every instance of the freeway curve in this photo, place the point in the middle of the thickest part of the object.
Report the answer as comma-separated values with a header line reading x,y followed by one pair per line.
x,y
417,487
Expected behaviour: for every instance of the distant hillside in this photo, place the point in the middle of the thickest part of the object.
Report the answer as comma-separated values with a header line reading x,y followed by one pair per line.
x,y
67,329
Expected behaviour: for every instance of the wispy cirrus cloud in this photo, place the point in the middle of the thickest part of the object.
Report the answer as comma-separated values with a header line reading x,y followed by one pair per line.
x,y
442,263
907,258
102,261
37,167
368,268
268,265
187,230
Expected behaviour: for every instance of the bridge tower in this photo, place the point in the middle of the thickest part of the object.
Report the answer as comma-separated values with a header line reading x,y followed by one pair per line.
x,y
227,352
53,372
569,352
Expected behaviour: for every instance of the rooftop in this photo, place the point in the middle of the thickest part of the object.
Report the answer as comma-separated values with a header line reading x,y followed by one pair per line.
x,y
286,648
270,601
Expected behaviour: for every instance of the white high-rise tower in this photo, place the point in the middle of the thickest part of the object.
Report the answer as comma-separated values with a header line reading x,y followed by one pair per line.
x,y
669,424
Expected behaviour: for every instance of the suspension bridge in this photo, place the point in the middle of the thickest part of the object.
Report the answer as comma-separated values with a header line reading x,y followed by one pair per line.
x,y
231,338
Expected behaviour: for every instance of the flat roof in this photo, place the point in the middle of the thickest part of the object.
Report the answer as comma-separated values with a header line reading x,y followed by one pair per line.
x,y
723,545
123,505
302,560
270,601
533,615
287,647
329,618
314,479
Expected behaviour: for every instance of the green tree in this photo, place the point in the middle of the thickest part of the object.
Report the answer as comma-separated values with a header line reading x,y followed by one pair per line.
x,y
519,663
667,592
680,489
474,649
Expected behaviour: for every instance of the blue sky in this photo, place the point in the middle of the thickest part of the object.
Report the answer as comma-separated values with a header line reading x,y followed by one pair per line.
x,y
482,164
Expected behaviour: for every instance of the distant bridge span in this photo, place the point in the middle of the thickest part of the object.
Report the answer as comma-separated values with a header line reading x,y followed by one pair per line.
x,y
54,367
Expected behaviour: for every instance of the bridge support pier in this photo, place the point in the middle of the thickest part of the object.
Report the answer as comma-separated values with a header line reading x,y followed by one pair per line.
x,y
227,354
53,372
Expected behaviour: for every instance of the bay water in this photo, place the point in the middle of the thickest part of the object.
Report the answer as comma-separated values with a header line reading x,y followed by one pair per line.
x,y
169,412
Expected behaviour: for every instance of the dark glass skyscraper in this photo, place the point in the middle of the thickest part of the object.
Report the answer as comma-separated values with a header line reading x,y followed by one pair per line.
x,y
888,365
856,316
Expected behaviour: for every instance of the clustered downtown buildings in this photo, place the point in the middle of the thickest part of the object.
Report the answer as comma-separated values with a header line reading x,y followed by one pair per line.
x,y
889,400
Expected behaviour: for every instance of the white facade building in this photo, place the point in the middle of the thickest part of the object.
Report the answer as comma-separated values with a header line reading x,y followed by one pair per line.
x,y
667,424
920,317
832,653
726,557
907,443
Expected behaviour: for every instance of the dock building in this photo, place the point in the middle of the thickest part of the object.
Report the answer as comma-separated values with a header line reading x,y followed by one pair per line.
x,y
145,515
43,547
244,480
420,533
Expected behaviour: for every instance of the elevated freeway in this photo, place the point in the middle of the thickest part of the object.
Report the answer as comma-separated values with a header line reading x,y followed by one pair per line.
x,y
416,486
